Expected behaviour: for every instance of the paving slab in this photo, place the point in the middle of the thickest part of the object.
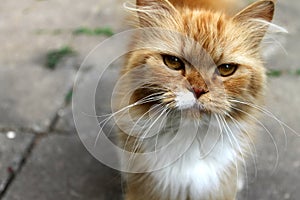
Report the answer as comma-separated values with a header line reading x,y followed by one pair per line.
x,y
61,168
14,148
30,93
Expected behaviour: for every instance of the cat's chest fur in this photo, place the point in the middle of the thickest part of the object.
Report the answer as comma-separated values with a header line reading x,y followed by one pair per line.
x,y
200,171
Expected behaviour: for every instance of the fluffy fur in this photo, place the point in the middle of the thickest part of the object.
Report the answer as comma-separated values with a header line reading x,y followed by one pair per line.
x,y
159,101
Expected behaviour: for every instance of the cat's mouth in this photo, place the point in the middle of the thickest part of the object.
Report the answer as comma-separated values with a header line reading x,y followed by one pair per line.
x,y
197,111
185,102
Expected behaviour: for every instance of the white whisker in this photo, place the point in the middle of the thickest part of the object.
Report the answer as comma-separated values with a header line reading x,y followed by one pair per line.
x,y
250,144
231,143
269,133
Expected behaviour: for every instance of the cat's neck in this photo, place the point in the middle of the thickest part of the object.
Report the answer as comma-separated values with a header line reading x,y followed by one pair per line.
x,y
202,168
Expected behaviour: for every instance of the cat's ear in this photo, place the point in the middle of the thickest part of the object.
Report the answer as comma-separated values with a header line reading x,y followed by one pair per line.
x,y
151,2
256,17
152,12
263,9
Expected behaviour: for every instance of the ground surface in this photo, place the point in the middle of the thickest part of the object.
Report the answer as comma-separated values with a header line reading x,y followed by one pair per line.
x,y
41,155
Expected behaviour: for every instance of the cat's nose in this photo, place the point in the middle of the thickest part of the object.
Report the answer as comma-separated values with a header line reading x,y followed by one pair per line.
x,y
199,91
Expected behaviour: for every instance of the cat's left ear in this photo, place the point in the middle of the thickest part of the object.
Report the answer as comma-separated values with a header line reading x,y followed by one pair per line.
x,y
256,17
153,12
263,9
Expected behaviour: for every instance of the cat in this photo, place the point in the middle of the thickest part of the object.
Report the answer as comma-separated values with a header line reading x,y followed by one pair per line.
x,y
184,99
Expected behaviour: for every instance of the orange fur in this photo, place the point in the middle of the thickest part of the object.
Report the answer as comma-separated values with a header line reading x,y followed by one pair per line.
x,y
228,6
191,30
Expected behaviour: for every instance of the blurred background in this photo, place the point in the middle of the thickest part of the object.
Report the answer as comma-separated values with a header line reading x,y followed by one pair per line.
x,y
43,44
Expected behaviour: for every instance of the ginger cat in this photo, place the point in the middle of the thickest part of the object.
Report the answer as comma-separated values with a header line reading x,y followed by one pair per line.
x,y
193,72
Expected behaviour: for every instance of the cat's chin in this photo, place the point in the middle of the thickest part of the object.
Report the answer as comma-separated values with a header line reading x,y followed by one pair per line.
x,y
195,113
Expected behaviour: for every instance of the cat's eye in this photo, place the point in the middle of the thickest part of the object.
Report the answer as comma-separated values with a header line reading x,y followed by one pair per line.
x,y
173,62
227,69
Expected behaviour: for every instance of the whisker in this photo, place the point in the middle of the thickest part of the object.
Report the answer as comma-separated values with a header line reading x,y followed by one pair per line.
x,y
146,122
161,111
206,154
228,136
156,139
240,150
103,123
137,145
269,133
220,127
268,113
251,145
138,120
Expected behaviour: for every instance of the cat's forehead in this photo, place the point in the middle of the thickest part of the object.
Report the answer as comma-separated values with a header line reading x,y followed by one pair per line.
x,y
209,30
201,38
196,36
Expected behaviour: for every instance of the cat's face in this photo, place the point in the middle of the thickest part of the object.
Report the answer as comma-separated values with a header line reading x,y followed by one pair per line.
x,y
200,61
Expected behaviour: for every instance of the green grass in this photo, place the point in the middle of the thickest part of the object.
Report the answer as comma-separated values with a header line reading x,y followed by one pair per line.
x,y
106,31
68,97
96,31
53,57
278,73
274,73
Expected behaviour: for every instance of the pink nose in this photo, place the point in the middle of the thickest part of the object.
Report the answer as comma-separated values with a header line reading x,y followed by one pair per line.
x,y
198,91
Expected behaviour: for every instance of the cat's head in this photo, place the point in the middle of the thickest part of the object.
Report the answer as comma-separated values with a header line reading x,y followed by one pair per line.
x,y
192,59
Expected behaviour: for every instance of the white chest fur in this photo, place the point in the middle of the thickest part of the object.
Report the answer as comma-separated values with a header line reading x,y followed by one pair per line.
x,y
197,173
